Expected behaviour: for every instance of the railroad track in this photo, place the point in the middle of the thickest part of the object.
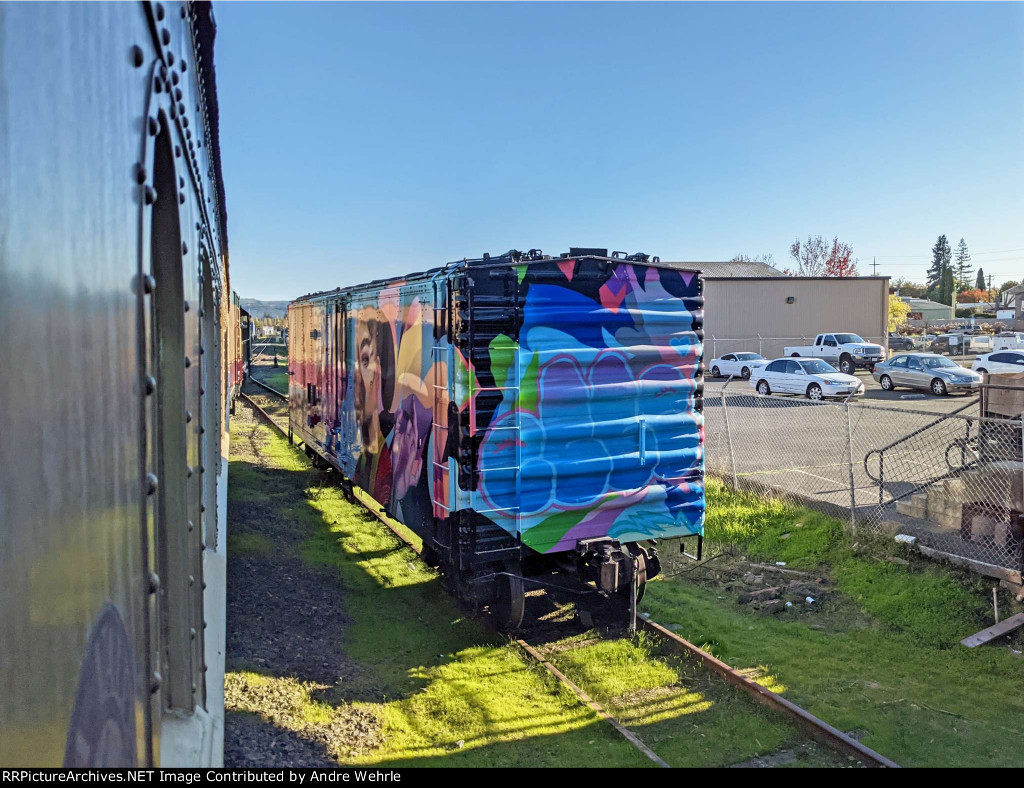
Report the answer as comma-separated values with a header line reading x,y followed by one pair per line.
x,y
271,389
815,728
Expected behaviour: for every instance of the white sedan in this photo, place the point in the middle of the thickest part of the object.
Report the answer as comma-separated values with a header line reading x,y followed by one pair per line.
x,y
742,364
811,377
999,363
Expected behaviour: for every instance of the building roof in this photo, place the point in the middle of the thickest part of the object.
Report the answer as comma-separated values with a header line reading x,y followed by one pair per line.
x,y
923,303
728,270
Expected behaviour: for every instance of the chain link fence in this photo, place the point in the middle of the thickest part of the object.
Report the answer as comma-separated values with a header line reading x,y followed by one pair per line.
x,y
953,480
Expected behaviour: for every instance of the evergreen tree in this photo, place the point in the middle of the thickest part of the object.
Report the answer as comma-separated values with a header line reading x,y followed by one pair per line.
x,y
962,268
979,283
942,256
947,291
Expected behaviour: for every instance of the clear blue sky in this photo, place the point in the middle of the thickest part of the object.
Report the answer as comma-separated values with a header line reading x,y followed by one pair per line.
x,y
366,140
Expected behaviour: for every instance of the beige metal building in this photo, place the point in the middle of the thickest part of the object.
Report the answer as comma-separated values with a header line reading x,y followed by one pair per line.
x,y
753,306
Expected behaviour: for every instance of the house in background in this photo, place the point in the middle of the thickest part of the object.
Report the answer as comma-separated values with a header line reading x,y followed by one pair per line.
x,y
1017,294
924,311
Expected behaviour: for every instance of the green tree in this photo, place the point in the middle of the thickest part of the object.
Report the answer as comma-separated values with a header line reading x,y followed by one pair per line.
x,y
979,282
962,267
899,310
942,256
947,290
908,288
1007,285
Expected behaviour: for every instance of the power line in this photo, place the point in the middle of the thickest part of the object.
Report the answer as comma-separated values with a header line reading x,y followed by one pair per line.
x,y
925,257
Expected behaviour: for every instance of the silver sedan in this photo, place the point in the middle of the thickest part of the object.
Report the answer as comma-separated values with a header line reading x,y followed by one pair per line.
x,y
927,371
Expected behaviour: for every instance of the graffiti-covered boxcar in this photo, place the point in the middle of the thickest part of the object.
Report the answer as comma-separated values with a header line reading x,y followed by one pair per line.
x,y
523,414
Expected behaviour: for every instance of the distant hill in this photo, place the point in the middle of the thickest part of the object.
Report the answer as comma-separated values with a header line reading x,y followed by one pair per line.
x,y
258,308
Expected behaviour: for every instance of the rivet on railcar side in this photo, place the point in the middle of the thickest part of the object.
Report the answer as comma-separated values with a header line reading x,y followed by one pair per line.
x,y
525,415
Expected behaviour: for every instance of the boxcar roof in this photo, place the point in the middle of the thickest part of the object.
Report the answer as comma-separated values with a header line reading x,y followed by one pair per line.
x,y
513,257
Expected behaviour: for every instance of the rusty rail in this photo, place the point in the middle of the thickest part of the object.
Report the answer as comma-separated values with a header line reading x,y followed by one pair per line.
x,y
817,729
263,385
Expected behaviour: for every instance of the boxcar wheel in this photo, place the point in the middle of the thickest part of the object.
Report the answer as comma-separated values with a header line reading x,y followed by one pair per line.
x,y
509,602
641,581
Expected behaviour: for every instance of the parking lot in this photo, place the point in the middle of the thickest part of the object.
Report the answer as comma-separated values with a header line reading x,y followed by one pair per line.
x,y
790,445
913,399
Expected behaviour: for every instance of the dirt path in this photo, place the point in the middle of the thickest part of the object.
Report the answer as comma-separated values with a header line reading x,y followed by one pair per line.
x,y
285,622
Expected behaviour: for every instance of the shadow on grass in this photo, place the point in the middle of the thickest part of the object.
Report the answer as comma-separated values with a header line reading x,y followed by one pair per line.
x,y
389,642
350,617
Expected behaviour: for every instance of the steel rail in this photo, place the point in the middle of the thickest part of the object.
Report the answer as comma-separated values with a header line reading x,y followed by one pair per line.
x,y
263,414
817,729
271,389
594,706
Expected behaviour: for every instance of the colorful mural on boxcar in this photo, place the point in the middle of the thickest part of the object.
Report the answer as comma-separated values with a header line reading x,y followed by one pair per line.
x,y
391,374
609,441
584,409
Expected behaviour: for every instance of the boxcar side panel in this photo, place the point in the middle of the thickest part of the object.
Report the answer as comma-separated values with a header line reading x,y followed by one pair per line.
x,y
600,404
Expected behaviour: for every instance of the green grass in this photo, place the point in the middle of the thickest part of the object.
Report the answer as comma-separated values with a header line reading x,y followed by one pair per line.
x,y
880,656
276,379
444,691
686,715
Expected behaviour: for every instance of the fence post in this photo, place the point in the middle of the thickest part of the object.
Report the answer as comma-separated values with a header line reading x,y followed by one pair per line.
x,y
849,446
759,346
728,433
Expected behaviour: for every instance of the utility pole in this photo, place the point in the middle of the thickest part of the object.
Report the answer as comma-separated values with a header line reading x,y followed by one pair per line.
x,y
874,266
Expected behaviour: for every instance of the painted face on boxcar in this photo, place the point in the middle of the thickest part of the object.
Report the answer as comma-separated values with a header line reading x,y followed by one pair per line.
x,y
407,445
367,379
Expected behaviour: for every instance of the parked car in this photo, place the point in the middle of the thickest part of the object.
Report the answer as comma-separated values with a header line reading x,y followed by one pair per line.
x,y
848,350
897,342
811,377
736,364
926,371
959,344
1000,362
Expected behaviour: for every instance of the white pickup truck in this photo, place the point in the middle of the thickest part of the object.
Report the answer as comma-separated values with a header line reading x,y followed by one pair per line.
x,y
848,351
1009,340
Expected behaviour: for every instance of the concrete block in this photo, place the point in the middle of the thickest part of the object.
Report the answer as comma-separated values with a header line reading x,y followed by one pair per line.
x,y
955,489
953,509
910,508
1007,535
983,527
936,499
947,521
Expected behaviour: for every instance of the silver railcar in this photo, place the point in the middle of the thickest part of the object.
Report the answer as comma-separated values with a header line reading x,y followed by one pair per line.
x,y
114,317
